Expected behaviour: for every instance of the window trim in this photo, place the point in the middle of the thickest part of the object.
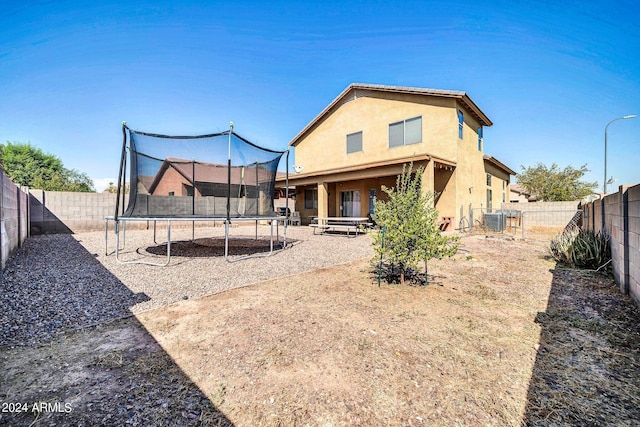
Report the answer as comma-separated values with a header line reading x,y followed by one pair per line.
x,y
404,132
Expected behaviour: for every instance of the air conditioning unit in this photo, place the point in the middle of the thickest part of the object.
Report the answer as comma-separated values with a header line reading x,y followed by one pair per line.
x,y
495,221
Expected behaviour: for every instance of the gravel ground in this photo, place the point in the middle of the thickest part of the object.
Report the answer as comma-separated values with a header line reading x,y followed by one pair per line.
x,y
58,282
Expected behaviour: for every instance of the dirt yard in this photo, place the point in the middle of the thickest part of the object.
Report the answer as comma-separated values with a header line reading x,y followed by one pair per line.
x,y
499,337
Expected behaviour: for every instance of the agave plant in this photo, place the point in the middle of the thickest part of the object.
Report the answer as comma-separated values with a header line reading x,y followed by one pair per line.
x,y
581,248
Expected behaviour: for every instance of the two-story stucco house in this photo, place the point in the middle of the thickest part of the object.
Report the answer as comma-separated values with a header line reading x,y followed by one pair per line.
x,y
362,139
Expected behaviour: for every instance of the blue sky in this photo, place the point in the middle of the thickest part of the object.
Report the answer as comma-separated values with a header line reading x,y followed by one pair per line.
x,y
550,75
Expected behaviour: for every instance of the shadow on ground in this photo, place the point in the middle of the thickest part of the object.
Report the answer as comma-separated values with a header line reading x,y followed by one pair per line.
x,y
71,354
586,368
214,247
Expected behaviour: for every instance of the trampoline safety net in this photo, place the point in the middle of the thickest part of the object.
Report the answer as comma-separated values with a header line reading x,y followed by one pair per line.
x,y
207,176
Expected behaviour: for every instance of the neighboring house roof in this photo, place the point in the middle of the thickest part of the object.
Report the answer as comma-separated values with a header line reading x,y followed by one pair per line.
x,y
497,163
208,172
355,88
519,189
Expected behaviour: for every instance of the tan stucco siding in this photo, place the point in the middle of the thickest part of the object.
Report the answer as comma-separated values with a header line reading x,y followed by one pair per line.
x,y
470,173
499,184
326,144
455,167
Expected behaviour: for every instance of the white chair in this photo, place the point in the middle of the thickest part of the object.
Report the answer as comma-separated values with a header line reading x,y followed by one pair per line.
x,y
294,219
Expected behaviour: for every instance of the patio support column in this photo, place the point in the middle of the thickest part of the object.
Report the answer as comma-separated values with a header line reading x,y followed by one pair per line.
x,y
323,200
428,178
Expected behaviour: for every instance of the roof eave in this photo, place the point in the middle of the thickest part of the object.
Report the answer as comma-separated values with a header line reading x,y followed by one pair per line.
x,y
462,96
497,163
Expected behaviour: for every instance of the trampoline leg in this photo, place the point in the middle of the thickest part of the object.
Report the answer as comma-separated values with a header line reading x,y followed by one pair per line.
x,y
168,242
271,243
117,231
284,235
154,232
226,240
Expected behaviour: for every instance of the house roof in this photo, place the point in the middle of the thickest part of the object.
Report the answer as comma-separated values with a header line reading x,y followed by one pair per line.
x,y
497,163
353,89
371,166
517,188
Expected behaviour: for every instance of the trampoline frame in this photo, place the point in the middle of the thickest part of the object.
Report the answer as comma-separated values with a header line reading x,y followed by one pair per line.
x,y
271,220
120,220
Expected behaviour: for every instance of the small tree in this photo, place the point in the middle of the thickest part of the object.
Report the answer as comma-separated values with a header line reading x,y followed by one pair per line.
x,y
552,184
411,233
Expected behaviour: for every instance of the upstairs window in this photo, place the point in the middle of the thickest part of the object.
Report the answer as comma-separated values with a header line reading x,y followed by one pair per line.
x,y
488,180
460,123
480,138
354,142
405,132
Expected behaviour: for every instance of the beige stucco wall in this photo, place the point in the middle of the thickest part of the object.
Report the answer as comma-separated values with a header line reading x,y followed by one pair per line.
x,y
323,148
499,185
470,172
326,145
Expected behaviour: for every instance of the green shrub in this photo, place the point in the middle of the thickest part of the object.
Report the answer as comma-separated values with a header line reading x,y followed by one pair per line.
x,y
581,248
409,232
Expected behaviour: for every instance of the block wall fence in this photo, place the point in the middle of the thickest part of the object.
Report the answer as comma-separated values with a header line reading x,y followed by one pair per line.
x,y
28,211
67,212
14,217
618,215
545,214
25,212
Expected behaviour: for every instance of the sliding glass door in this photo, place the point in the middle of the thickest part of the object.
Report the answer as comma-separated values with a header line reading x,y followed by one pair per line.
x,y
350,203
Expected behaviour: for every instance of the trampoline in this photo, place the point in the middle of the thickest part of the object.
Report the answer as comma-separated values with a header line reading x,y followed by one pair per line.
x,y
219,177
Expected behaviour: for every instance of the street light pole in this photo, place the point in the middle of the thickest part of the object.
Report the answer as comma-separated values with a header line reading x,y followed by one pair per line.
x,y
631,116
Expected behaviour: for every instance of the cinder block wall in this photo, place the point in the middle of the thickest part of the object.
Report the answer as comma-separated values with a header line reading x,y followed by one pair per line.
x,y
545,214
14,218
618,214
68,212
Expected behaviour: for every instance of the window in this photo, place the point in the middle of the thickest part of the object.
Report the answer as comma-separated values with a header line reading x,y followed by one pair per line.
x,y
489,200
480,138
460,123
354,142
311,199
488,180
504,191
405,132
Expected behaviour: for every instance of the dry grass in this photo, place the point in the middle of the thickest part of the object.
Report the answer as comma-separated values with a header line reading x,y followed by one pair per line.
x,y
500,337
